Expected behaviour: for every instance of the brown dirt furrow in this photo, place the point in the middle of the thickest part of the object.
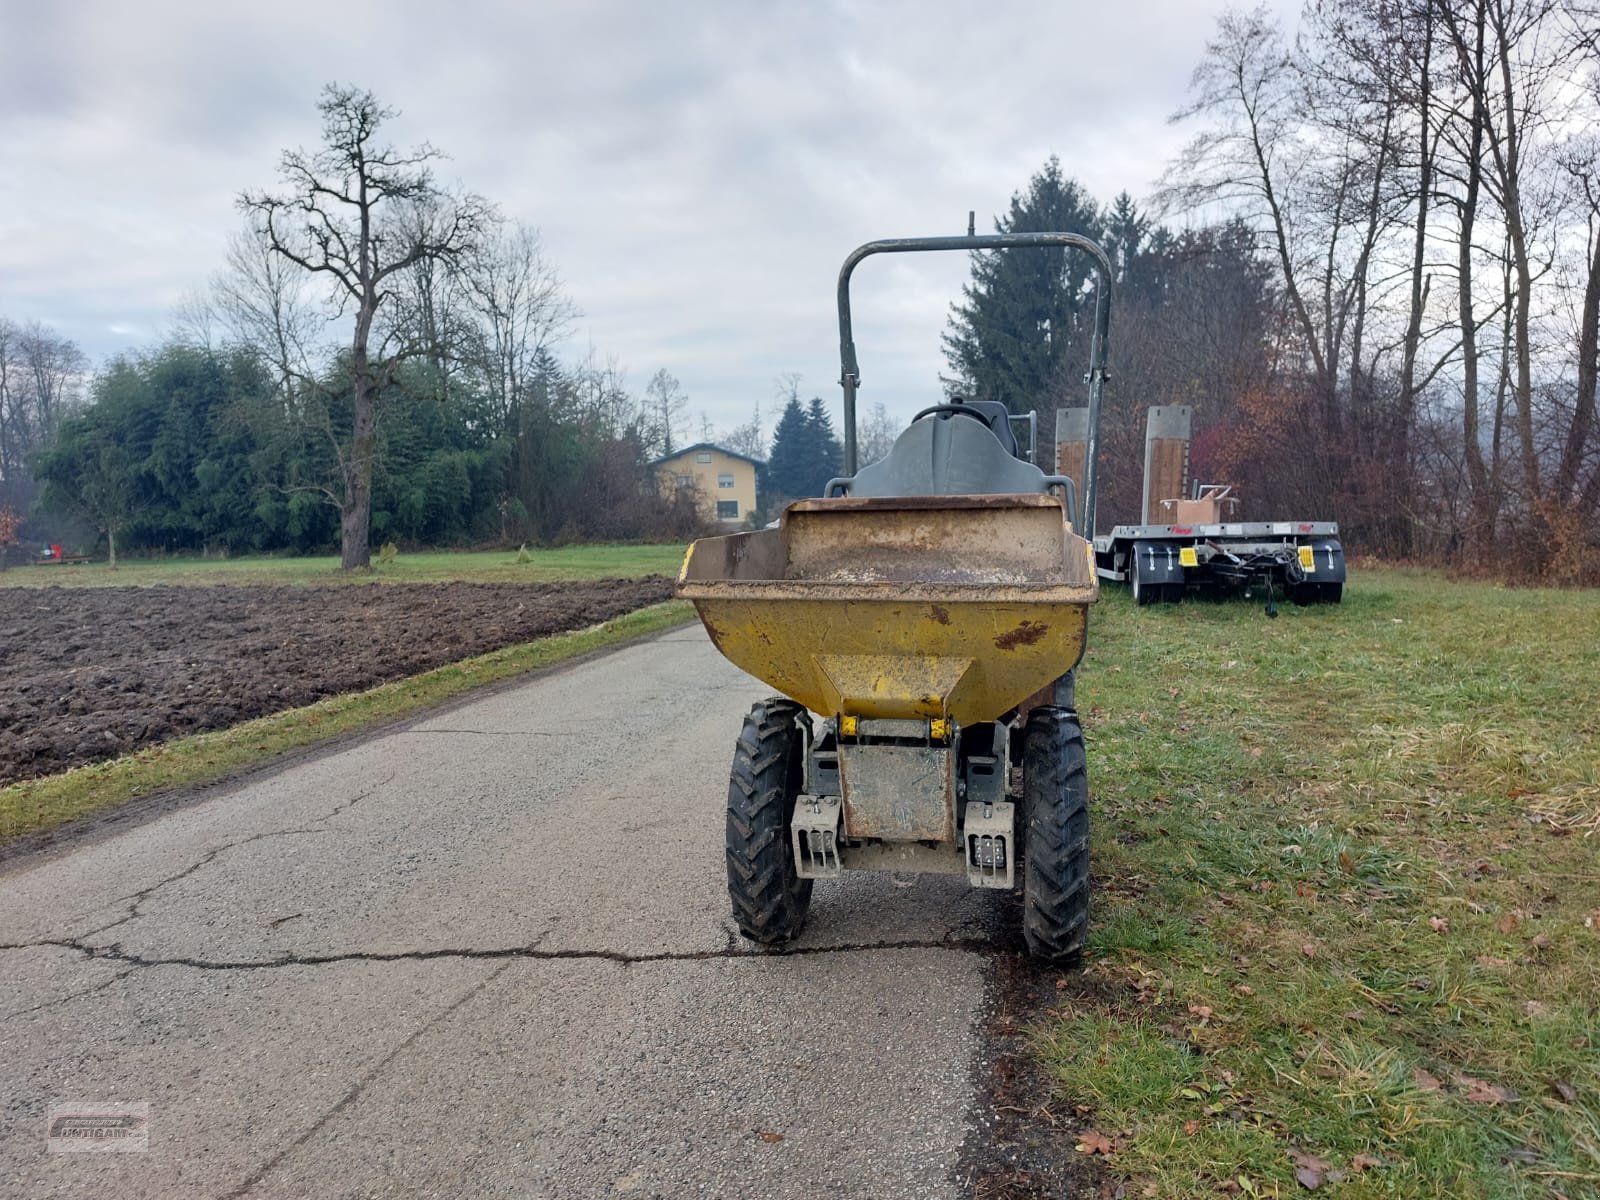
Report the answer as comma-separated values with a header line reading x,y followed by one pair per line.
x,y
88,674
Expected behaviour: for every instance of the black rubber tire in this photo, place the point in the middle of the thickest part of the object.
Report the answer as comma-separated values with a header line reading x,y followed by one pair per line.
x,y
1305,593
1332,593
1055,890
1172,593
1144,594
769,899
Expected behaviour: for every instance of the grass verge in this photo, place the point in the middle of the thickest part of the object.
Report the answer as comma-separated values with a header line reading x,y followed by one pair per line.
x,y
485,566
40,804
1347,923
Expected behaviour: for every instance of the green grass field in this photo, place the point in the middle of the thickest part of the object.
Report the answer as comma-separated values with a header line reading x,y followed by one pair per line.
x,y
1347,925
488,566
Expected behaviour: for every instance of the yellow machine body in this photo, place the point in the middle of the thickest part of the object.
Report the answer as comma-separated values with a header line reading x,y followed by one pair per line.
x,y
924,607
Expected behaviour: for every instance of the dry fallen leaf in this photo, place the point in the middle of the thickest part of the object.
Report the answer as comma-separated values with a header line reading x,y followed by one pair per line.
x,y
1507,923
1203,1011
1535,1008
1090,1142
1490,960
1542,942
766,1135
1346,863
1439,924
1309,1169
1425,1080
1309,949
1191,1127
1480,1092
1565,1090
1364,1162
1244,989
1305,891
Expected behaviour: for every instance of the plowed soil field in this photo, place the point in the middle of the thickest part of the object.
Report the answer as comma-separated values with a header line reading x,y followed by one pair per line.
x,y
88,674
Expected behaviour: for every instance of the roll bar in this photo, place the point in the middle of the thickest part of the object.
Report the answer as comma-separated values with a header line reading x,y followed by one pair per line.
x,y
850,376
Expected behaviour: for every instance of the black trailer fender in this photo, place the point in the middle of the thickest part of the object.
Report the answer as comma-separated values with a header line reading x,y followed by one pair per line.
x,y
1155,572
1327,560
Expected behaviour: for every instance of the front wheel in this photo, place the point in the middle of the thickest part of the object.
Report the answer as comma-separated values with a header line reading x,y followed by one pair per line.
x,y
1056,804
769,898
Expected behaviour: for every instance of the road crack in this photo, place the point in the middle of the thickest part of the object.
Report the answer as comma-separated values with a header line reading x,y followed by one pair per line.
x,y
116,953
135,901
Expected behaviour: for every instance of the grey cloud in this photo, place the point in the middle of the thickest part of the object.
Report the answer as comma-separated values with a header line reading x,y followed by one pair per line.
x,y
697,170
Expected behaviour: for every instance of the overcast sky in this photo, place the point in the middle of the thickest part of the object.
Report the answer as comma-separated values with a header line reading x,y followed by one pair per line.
x,y
697,170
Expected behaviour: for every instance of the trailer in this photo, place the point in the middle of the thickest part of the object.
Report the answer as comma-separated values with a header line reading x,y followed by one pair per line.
x,y
1184,541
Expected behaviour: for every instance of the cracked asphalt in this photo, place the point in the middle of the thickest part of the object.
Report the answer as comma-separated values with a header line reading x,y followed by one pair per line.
x,y
488,954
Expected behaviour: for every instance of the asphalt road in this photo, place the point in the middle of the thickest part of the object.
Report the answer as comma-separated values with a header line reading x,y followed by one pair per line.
x,y
488,954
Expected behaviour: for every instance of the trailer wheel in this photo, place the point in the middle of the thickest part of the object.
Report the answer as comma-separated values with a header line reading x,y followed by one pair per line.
x,y
1332,593
1055,916
1143,593
769,898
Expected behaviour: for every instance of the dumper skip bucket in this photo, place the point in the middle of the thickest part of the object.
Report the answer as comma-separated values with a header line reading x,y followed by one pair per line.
x,y
956,607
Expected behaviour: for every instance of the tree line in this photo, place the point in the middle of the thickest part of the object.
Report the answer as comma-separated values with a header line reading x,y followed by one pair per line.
x,y
1374,271
1396,322
1422,176
374,363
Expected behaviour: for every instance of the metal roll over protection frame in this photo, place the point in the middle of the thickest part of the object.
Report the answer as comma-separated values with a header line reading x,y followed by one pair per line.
x,y
850,371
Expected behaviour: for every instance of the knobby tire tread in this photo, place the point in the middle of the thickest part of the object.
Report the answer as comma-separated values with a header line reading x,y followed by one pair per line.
x,y
769,898
1056,801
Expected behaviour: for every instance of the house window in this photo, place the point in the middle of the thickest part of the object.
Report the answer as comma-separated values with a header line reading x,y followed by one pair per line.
x,y
703,457
727,510
683,481
724,481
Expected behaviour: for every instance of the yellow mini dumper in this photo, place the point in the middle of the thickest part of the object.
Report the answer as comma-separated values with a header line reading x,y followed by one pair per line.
x,y
930,610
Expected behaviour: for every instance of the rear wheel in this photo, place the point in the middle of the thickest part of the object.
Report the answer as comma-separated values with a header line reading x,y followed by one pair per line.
x,y
1056,804
769,898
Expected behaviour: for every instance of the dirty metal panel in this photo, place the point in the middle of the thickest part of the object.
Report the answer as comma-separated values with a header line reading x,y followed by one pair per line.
x,y
1072,444
898,793
904,856
1001,542
900,607
1166,459
970,660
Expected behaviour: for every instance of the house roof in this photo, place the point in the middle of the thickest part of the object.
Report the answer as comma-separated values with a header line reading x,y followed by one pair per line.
x,y
666,458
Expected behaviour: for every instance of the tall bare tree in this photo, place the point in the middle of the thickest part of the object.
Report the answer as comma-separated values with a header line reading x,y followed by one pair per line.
x,y
356,214
667,402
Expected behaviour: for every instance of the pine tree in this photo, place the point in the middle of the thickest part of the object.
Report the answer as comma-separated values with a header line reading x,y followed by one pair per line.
x,y
789,467
826,453
1023,325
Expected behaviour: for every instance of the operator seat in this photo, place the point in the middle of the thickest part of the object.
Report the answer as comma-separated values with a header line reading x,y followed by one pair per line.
x,y
949,453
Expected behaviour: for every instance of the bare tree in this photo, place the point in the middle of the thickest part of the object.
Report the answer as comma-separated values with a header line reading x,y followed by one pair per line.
x,y
667,402
876,435
749,439
42,376
260,298
357,213
522,310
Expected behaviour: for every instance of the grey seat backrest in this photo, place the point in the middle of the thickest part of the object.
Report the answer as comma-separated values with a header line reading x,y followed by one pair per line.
x,y
947,455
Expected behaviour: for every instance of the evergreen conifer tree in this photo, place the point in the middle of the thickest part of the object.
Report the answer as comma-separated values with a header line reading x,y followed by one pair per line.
x,y
1023,322
788,467
826,453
